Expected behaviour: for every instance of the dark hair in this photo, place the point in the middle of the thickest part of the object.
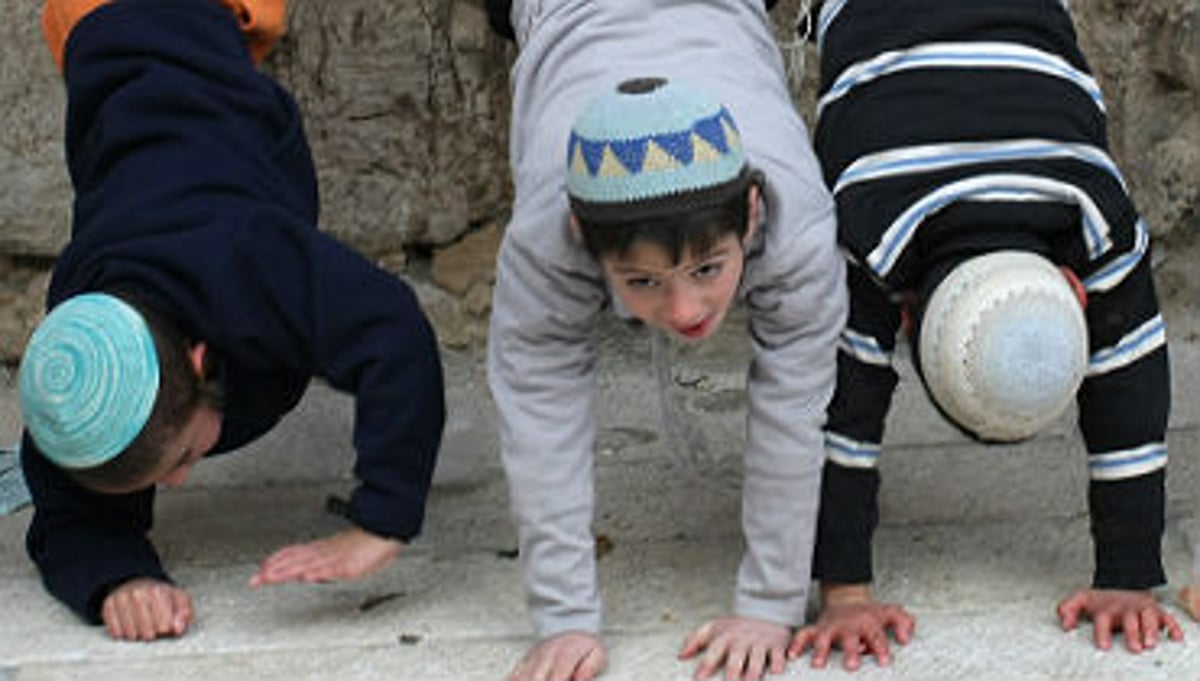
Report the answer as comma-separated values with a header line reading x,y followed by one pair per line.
x,y
688,230
180,393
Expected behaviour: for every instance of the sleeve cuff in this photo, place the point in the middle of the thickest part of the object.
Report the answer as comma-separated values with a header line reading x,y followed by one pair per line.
x,y
1128,520
848,517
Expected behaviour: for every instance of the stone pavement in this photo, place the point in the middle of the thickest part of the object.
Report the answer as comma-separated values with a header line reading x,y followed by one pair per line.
x,y
979,543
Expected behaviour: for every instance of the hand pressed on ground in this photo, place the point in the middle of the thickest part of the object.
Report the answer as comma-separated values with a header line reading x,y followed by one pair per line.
x,y
347,555
1136,614
146,609
852,620
746,647
569,656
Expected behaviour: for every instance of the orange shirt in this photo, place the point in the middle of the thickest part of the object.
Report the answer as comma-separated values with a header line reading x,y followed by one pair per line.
x,y
263,22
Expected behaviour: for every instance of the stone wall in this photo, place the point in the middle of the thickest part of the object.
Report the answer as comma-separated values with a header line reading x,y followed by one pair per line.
x,y
407,104
1146,56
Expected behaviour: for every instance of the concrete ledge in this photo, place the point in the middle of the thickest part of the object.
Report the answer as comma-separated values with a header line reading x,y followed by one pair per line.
x,y
978,542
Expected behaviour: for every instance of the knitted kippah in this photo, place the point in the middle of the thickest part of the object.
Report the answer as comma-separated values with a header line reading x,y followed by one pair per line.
x,y
88,380
652,146
1003,345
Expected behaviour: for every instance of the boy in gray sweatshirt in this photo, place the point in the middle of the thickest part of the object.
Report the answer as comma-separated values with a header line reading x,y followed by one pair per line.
x,y
688,186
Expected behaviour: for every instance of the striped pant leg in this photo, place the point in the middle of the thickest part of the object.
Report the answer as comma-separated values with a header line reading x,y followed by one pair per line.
x,y
854,431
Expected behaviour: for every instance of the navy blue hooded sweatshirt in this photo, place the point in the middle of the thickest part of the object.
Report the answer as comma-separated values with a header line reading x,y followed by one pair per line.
x,y
195,189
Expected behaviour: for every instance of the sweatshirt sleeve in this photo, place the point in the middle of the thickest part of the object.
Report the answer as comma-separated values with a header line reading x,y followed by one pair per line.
x,y
854,433
541,360
85,543
194,183
798,308
305,301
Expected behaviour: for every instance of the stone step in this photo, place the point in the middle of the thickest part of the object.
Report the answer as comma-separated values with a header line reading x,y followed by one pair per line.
x,y
978,542
983,592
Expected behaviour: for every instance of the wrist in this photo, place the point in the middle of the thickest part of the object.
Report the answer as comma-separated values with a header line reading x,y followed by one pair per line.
x,y
835,594
363,535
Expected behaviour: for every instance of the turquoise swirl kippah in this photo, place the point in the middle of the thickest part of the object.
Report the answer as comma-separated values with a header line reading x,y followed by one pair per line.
x,y
652,145
88,380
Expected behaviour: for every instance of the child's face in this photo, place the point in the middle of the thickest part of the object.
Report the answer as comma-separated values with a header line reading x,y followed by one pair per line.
x,y
197,437
689,298
194,441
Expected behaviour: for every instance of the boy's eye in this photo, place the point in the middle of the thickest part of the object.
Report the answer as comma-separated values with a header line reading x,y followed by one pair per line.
x,y
641,282
708,270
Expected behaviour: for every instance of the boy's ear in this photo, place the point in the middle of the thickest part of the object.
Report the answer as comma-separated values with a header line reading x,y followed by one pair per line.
x,y
576,229
753,213
197,354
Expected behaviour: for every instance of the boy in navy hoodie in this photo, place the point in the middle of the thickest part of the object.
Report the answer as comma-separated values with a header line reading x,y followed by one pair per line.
x,y
193,304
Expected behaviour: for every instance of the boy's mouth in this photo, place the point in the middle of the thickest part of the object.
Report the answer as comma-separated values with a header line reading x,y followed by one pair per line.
x,y
697,330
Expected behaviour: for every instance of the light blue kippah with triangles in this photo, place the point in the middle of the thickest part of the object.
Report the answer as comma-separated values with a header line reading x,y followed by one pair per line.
x,y
88,380
650,139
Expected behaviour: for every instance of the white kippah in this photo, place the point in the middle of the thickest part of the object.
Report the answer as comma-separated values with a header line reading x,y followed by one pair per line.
x,y
1004,345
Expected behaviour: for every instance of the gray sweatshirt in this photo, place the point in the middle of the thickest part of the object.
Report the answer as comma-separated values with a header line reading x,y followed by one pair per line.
x,y
549,291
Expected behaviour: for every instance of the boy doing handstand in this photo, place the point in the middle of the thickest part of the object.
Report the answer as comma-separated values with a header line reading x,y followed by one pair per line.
x,y
192,306
965,144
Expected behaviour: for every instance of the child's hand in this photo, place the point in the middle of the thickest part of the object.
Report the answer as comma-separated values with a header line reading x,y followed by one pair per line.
x,y
745,646
347,555
1136,613
569,656
856,623
144,609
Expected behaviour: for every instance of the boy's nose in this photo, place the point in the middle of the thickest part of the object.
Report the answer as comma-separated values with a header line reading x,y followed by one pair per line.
x,y
683,306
